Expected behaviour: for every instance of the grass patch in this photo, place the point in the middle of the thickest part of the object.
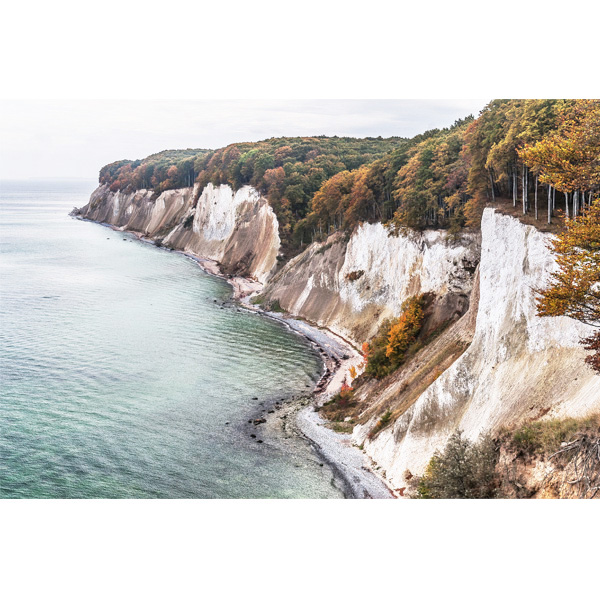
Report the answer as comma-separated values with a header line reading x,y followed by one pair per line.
x,y
546,437
343,427
385,418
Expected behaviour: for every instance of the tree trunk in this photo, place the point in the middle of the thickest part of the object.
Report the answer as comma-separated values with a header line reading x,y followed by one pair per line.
x,y
567,203
492,184
524,211
514,187
526,189
536,203
549,204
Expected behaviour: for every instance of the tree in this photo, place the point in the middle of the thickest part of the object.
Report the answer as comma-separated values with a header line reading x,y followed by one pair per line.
x,y
463,470
569,158
388,349
574,289
404,330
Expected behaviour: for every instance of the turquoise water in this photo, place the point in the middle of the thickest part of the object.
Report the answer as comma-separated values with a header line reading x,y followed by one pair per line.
x,y
119,371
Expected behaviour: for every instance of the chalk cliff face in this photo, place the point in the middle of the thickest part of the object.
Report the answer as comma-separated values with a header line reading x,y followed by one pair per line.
x,y
518,367
239,230
352,286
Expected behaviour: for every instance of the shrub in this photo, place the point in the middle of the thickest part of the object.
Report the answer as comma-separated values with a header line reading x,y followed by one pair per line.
x,y
274,306
354,275
463,470
389,348
337,408
385,418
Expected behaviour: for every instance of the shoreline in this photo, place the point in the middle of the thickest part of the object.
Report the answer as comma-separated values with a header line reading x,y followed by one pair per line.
x,y
356,471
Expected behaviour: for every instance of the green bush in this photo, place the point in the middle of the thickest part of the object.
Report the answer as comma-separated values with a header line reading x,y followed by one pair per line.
x,y
463,470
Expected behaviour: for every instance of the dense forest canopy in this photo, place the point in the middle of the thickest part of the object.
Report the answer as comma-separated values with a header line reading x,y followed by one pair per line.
x,y
165,170
522,151
288,171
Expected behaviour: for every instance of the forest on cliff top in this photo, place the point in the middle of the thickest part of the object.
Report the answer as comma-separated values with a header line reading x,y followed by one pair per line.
x,y
524,151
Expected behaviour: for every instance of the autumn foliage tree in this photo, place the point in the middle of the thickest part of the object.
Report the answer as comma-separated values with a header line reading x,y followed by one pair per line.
x,y
574,289
404,331
569,158
388,349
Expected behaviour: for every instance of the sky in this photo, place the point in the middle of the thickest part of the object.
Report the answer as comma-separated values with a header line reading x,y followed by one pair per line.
x,y
74,139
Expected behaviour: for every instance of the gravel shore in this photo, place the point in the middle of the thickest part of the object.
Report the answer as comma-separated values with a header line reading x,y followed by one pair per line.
x,y
356,470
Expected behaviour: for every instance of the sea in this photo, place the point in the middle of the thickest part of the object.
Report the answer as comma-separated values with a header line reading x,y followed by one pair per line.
x,y
125,372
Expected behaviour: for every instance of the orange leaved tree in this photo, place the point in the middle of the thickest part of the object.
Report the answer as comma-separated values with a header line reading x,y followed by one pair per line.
x,y
574,289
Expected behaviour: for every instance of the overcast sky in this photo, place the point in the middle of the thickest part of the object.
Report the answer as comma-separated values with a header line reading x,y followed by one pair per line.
x,y
58,138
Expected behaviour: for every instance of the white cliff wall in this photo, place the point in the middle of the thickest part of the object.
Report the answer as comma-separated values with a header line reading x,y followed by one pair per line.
x,y
518,367
352,287
238,230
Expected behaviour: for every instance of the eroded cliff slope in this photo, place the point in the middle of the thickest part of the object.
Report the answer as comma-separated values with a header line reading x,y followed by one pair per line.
x,y
519,366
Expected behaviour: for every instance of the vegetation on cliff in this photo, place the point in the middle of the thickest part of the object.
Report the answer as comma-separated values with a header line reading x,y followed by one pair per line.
x,y
287,171
388,349
551,459
166,170
515,149
463,470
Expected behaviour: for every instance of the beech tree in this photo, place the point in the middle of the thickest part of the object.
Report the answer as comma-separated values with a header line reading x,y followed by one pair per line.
x,y
574,289
569,158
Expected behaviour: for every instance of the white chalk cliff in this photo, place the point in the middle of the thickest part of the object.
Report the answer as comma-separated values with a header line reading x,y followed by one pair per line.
x,y
351,287
518,367
238,230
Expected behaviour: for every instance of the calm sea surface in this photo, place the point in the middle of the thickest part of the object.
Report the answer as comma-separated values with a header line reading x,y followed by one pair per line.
x,y
119,372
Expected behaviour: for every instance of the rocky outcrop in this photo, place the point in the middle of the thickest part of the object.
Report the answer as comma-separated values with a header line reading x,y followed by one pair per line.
x,y
238,230
351,286
519,366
